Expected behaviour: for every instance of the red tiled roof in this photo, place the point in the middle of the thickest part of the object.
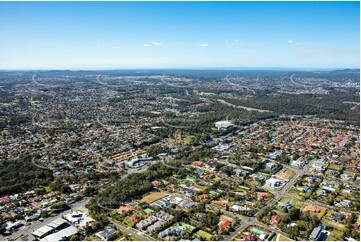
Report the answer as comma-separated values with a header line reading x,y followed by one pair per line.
x,y
209,176
312,208
276,219
223,223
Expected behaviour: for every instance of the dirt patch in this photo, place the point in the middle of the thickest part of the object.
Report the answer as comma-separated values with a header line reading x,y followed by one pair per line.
x,y
152,197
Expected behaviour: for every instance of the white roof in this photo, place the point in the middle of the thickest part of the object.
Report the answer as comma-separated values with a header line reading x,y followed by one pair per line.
x,y
61,235
273,180
41,231
9,224
57,222
223,123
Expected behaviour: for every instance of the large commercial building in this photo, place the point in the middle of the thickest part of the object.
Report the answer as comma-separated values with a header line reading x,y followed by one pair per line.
x,y
223,124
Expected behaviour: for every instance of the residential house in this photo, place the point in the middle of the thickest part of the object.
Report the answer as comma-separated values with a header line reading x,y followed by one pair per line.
x,y
312,208
223,224
273,182
316,233
209,176
275,219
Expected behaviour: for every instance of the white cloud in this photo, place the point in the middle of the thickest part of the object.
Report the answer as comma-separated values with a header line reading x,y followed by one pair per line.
x,y
152,44
203,45
156,43
301,45
115,47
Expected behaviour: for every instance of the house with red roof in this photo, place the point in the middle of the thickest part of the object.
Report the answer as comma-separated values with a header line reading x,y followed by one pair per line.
x,y
125,209
209,176
275,219
220,203
5,199
223,224
312,208
136,217
262,196
203,197
197,163
171,187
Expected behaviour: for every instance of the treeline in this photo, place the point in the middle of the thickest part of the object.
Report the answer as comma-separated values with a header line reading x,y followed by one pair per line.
x,y
21,175
324,106
134,186
13,120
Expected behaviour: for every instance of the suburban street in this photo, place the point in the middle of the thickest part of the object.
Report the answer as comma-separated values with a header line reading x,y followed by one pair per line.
x,y
129,231
278,195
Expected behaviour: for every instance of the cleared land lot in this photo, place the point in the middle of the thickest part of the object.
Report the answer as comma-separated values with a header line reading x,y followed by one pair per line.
x,y
152,197
285,174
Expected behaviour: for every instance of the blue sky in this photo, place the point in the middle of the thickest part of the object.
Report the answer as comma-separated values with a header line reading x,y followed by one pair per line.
x,y
101,35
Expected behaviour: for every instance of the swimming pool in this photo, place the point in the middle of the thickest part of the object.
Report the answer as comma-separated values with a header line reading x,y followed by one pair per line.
x,y
257,231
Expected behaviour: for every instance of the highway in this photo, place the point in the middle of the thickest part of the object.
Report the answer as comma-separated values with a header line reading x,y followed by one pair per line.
x,y
296,83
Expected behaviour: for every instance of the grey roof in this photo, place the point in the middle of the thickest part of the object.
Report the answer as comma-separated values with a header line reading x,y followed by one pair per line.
x,y
57,223
63,234
315,232
42,231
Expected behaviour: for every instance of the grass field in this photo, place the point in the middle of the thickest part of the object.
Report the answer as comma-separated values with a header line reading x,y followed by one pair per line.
x,y
335,235
47,188
332,224
127,221
294,193
188,227
297,204
152,197
204,235
186,140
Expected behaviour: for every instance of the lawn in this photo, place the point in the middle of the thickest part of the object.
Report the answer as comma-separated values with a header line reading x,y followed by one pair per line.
x,y
152,197
333,224
294,193
204,235
335,167
187,140
200,187
128,222
47,188
296,203
335,235
188,227
149,211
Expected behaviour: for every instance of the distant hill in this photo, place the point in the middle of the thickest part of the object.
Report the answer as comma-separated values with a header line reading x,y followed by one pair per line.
x,y
347,71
